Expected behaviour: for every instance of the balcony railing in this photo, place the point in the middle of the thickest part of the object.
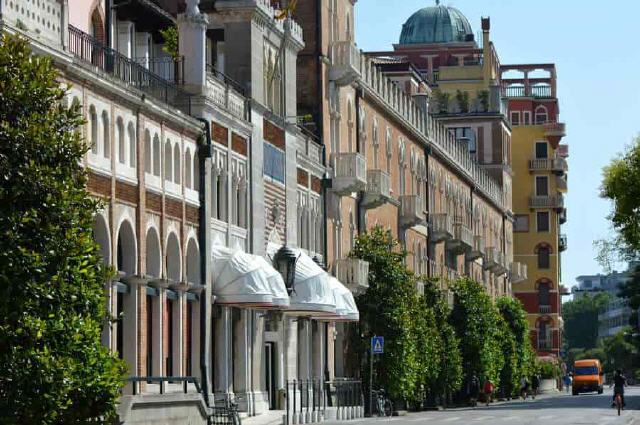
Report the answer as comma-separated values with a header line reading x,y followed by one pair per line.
x,y
562,243
518,272
350,174
477,249
226,92
527,91
544,344
354,273
378,189
555,129
544,309
441,227
550,201
548,164
103,58
411,210
462,238
346,62
171,69
493,260
561,183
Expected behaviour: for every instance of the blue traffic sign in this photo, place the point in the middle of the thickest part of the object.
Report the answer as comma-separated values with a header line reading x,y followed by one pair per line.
x,y
377,345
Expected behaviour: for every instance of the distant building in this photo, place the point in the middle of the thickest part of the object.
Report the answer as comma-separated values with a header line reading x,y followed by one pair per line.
x,y
591,284
614,318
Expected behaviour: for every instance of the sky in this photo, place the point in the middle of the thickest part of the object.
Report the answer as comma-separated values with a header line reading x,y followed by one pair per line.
x,y
594,47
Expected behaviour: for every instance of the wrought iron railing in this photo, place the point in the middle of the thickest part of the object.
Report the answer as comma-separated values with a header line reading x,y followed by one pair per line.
x,y
86,48
169,68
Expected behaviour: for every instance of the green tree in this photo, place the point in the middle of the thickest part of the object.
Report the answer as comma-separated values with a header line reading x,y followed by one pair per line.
x,y
581,320
619,352
53,369
477,323
449,378
391,308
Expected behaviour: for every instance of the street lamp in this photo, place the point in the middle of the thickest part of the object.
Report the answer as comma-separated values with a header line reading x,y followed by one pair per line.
x,y
285,263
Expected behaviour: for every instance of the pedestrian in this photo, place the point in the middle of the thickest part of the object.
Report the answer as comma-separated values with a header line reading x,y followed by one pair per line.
x,y
567,382
488,390
474,389
535,384
524,387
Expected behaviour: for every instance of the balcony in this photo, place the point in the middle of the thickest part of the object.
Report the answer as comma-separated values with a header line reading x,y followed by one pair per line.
x,y
493,259
462,238
411,210
452,275
350,174
449,297
562,215
562,243
346,63
557,164
477,248
441,227
561,183
549,201
544,344
518,272
544,309
354,274
555,129
378,190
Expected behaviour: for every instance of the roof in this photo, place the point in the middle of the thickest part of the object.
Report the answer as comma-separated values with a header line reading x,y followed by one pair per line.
x,y
436,24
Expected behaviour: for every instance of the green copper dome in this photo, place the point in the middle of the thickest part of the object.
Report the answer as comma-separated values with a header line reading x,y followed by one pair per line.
x,y
436,24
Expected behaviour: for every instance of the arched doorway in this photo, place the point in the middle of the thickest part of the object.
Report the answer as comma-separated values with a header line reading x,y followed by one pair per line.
x,y
173,258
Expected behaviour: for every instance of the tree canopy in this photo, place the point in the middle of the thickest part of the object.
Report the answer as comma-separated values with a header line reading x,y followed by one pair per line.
x,y
581,320
53,368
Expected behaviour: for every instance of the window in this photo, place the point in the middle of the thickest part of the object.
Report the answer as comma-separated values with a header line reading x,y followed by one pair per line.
x,y
542,186
467,136
543,294
272,80
544,260
132,145
106,139
176,164
542,221
147,152
541,115
273,162
93,129
121,142
521,223
515,118
156,155
168,154
187,169
542,151
527,117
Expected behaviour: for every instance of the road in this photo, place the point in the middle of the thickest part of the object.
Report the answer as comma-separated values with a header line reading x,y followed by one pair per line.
x,y
561,409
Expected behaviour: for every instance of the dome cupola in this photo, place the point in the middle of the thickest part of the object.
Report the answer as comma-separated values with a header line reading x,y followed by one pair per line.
x,y
436,24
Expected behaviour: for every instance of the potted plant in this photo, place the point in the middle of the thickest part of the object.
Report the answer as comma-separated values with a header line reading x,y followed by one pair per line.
x,y
483,98
462,97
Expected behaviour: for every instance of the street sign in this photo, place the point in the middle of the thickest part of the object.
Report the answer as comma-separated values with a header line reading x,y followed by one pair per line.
x,y
377,344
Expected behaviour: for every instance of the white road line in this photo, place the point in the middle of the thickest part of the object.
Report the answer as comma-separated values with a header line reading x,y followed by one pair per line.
x,y
455,418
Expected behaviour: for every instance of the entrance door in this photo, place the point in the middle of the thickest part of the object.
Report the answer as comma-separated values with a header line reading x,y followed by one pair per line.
x,y
270,373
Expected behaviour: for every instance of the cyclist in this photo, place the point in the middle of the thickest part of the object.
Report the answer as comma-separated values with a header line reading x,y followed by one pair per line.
x,y
619,382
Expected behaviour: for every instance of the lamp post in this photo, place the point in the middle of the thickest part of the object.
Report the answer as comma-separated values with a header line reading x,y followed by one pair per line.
x,y
285,263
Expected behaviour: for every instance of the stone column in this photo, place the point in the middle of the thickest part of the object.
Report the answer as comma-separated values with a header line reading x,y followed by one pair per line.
x,y
258,383
223,380
242,361
192,27
124,38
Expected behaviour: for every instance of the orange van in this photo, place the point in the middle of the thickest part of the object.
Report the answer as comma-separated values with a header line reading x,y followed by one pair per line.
x,y
587,376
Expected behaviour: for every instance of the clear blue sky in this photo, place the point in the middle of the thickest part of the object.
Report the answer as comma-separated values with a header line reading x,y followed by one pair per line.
x,y
594,47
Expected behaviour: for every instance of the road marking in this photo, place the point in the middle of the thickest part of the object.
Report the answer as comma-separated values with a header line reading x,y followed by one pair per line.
x,y
455,418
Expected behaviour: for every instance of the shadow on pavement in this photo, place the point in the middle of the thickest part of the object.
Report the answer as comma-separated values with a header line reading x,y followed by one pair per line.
x,y
582,401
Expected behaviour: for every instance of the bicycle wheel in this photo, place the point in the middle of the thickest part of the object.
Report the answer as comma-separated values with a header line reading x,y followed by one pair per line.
x,y
388,408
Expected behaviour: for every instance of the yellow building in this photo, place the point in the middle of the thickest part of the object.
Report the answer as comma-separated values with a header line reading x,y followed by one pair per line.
x,y
540,180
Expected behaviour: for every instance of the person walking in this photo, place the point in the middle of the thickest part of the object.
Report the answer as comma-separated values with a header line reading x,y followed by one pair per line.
x,y
474,389
567,382
488,391
535,384
524,387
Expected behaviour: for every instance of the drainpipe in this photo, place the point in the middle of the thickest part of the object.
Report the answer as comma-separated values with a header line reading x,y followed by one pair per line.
x,y
107,23
205,243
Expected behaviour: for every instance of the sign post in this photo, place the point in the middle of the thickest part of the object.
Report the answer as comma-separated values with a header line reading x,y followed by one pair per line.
x,y
377,347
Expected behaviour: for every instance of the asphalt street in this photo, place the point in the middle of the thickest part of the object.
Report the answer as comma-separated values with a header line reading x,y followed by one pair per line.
x,y
561,409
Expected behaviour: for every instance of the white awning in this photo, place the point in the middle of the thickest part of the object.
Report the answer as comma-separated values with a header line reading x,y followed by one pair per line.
x,y
276,283
346,309
312,294
243,279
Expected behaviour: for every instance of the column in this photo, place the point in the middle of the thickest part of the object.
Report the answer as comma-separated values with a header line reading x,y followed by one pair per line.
x,y
124,40
258,382
223,380
192,26
178,310
242,360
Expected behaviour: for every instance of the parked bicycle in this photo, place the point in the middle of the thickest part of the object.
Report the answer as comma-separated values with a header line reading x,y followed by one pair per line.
x,y
232,407
384,406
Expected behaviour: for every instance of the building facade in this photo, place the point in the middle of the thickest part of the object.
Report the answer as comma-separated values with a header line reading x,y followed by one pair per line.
x,y
540,165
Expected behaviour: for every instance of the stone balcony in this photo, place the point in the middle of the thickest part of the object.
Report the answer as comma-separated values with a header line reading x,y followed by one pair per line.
x,y
518,272
462,238
378,190
562,243
350,173
556,165
544,309
549,201
441,227
555,129
561,184
346,63
411,210
354,274
493,259
477,248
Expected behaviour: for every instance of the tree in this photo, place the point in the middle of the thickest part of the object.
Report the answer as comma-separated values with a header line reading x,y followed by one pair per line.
x,y
516,344
53,368
449,378
619,353
391,308
476,322
581,320
621,185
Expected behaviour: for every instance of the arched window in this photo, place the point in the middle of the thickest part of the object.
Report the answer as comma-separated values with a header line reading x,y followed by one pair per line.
x,y
148,153
196,172
93,129
544,257
97,28
106,137
122,148
177,168
156,155
131,135
174,263
126,249
168,154
541,115
187,169
154,256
